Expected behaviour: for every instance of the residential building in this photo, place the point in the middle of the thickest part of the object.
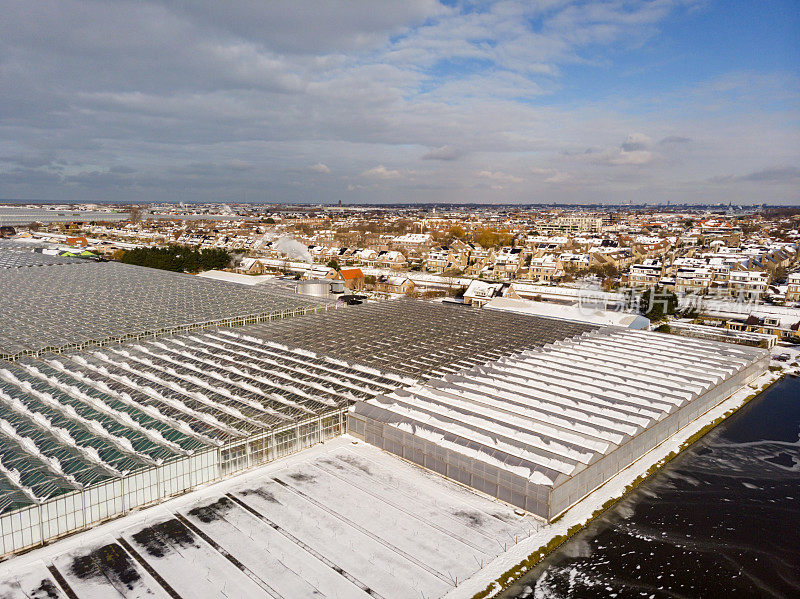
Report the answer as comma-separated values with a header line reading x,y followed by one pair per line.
x,y
546,268
782,327
353,278
646,274
480,292
411,240
748,284
508,261
437,259
394,284
391,259
692,280
793,290
591,223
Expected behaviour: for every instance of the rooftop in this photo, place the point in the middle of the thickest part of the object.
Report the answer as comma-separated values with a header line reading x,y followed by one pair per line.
x,y
81,303
417,339
23,258
545,414
576,313
70,421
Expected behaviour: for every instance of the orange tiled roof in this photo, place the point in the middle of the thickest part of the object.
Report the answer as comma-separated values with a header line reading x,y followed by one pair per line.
x,y
351,273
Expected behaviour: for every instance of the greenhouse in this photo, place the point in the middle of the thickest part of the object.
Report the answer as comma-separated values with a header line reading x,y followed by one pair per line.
x,y
543,428
91,434
339,521
87,436
71,306
124,392
418,339
24,215
22,258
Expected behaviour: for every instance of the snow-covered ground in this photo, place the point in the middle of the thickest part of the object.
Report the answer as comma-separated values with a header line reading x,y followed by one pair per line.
x,y
793,351
419,276
338,520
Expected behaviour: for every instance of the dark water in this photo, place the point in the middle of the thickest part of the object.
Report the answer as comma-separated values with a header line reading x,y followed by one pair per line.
x,y
721,520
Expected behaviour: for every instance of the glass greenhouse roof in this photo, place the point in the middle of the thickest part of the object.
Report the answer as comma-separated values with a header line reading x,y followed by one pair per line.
x,y
133,387
70,306
21,258
418,339
68,421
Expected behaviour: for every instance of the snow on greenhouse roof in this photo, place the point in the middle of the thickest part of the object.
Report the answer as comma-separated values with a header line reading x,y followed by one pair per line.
x,y
576,313
418,339
63,307
22,258
25,215
340,520
69,421
546,413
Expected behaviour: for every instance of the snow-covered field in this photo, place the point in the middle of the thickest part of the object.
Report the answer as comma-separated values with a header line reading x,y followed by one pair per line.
x,y
793,351
339,520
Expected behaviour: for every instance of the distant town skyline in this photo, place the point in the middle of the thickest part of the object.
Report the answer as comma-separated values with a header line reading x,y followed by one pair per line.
x,y
680,101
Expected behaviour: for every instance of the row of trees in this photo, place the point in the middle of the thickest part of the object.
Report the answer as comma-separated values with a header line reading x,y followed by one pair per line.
x,y
178,258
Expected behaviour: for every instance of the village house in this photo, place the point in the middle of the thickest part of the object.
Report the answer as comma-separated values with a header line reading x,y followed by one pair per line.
x,y
391,259
480,292
748,284
574,262
251,266
394,284
367,256
781,326
460,254
353,278
793,289
479,258
507,262
546,268
648,273
437,259
411,240
619,258
689,279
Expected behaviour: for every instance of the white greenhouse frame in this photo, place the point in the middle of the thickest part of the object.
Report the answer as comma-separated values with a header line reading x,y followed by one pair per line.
x,y
36,525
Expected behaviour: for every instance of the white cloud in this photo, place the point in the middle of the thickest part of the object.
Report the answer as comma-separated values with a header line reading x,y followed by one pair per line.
x,y
551,175
381,172
631,152
499,176
319,167
622,157
636,142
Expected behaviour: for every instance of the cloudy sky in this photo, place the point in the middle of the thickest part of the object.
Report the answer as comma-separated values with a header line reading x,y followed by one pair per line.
x,y
408,101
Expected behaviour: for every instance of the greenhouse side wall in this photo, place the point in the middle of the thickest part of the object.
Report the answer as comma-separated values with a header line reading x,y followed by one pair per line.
x,y
476,474
594,475
33,526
